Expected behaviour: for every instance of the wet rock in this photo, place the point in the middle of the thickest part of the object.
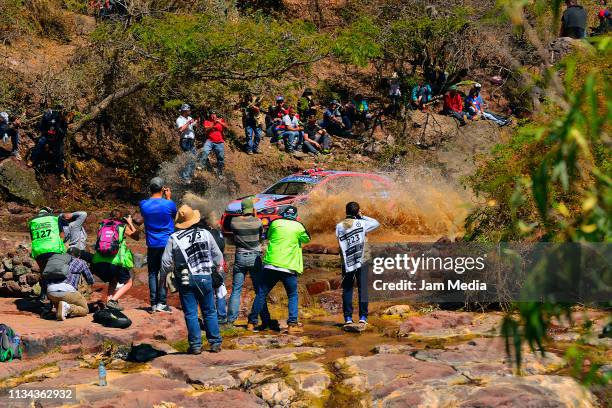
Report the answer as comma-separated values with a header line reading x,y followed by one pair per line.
x,y
392,349
354,327
310,377
276,393
319,286
19,181
331,301
268,341
443,325
398,310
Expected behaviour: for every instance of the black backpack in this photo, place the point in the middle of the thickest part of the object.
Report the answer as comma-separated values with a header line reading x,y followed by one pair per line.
x,y
112,318
57,268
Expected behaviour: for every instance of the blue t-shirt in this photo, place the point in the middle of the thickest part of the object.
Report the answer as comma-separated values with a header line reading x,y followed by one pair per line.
x,y
158,214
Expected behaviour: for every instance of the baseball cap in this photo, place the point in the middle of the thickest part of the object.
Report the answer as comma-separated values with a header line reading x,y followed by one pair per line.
x,y
477,85
333,102
4,116
156,184
185,107
290,213
247,205
280,98
453,87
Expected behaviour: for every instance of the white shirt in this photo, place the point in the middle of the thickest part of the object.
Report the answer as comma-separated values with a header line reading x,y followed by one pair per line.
x,y
351,234
188,133
394,87
291,123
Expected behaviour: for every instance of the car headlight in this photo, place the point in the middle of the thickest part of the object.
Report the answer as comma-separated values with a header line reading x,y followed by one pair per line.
x,y
268,211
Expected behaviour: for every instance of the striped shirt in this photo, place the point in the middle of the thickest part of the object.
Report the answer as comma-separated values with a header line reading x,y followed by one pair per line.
x,y
77,268
247,230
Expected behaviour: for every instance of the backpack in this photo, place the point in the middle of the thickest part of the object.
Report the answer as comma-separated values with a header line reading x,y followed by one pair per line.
x,y
112,318
10,346
57,268
108,241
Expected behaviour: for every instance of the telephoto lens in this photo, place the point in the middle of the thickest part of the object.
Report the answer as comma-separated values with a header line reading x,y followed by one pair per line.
x,y
185,277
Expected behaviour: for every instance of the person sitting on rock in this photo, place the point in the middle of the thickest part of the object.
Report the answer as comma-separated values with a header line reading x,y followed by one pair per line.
x,y
362,111
453,105
274,119
193,256
334,122
75,234
351,234
573,21
64,293
10,131
113,260
283,262
475,107
294,131
421,95
316,139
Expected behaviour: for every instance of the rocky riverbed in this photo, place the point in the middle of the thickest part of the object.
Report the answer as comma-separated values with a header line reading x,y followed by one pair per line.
x,y
409,356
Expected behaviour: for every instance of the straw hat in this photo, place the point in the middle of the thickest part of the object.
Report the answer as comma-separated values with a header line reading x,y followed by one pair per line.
x,y
186,217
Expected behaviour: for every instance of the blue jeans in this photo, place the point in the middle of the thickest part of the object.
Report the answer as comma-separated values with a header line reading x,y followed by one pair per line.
x,y
289,137
348,282
246,262
218,149
253,136
188,146
157,282
221,304
199,292
269,279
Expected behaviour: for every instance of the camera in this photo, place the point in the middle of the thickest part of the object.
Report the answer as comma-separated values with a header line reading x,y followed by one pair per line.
x,y
185,277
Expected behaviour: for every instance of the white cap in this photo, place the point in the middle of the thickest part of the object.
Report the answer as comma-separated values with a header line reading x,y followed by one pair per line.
x,y
4,116
477,85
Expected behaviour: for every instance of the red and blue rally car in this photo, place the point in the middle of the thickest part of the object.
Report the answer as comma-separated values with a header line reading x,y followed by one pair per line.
x,y
297,188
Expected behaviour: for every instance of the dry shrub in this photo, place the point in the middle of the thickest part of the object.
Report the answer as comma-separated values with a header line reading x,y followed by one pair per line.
x,y
48,20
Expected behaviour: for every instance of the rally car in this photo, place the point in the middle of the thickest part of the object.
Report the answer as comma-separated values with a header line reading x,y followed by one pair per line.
x,y
299,187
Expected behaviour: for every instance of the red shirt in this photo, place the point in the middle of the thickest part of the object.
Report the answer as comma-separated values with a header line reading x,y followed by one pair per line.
x,y
454,103
215,134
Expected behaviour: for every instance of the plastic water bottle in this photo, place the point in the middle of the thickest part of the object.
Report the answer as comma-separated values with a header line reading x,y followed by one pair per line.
x,y
102,375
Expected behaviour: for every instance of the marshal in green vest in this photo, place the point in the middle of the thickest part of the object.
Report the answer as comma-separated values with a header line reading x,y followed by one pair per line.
x,y
45,234
123,257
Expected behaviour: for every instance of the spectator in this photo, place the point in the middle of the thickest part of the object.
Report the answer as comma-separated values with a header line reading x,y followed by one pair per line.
x,y
421,94
306,104
605,20
395,93
573,21
294,131
46,235
184,126
115,269
351,234
453,105
64,293
282,262
10,132
247,231
333,121
475,107
193,255
158,212
75,234
53,128
316,139
274,119
362,111
250,121
214,128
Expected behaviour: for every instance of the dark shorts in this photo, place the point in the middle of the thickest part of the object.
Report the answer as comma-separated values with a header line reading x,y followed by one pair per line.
x,y
109,272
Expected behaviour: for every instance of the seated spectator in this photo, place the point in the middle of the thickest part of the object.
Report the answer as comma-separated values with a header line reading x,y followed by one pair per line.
x,y
395,93
474,106
605,21
63,293
573,21
421,94
453,105
294,131
306,104
333,121
274,119
10,132
316,139
362,111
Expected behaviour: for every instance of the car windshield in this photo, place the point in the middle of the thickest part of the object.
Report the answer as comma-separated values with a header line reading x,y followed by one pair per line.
x,y
289,188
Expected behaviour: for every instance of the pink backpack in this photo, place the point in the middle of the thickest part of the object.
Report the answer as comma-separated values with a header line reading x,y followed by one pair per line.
x,y
108,242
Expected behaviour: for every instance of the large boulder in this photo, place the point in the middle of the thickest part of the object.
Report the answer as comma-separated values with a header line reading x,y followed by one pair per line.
x,y
20,182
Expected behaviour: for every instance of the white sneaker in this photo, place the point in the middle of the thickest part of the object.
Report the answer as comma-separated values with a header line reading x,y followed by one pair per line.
x,y
163,308
63,309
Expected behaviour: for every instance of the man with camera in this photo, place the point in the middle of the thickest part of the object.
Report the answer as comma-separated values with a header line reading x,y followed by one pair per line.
x,y
195,258
214,128
158,212
184,126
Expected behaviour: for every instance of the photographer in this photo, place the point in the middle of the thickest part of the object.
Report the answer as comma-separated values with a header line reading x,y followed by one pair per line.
x,y
214,128
184,126
158,212
10,132
53,129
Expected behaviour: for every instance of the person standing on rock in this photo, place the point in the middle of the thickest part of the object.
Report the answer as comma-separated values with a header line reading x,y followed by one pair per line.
x,y
64,293
75,234
193,255
573,21
10,132
214,128
158,212
184,126
283,262
113,260
351,234
247,231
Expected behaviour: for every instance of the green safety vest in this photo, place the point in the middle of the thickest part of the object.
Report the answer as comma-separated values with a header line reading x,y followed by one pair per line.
x,y
285,248
123,257
45,234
